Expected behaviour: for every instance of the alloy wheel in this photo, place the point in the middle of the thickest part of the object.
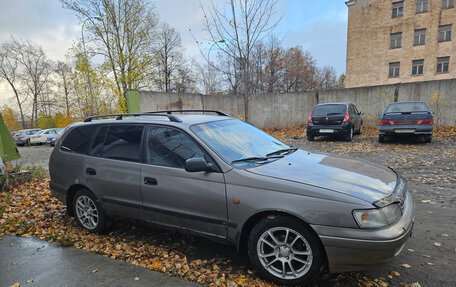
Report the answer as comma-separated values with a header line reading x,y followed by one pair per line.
x,y
87,212
284,253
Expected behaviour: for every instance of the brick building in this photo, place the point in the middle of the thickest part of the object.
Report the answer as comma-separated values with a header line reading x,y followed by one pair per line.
x,y
399,41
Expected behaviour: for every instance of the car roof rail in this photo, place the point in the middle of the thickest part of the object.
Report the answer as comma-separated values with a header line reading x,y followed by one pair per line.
x,y
172,118
169,112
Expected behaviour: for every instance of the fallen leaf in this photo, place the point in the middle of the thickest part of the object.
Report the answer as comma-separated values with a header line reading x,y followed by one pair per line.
x,y
430,263
416,284
427,256
94,270
426,201
11,244
395,273
444,235
437,244
15,263
29,281
17,284
430,212
411,250
136,278
405,265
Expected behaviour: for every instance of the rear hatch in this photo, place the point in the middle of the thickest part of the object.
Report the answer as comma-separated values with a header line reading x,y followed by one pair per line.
x,y
406,113
329,114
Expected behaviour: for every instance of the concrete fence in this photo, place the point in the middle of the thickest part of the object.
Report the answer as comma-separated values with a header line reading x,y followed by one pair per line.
x,y
285,110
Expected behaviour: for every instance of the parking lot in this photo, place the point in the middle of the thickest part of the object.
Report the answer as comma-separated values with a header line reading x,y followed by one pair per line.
x,y
429,256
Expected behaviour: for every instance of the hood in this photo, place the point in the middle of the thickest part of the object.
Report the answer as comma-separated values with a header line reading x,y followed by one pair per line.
x,y
356,178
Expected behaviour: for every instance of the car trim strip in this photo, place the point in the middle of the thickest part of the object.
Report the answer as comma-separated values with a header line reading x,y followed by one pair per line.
x,y
173,213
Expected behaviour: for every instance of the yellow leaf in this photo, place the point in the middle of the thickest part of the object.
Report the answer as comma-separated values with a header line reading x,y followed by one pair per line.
x,y
395,273
405,265
437,244
17,284
136,278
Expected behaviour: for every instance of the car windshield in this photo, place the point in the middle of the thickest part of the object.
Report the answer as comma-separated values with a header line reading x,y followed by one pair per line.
x,y
32,132
237,142
407,107
324,110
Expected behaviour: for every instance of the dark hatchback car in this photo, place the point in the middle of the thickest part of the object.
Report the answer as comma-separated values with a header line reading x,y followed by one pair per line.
x,y
334,119
406,118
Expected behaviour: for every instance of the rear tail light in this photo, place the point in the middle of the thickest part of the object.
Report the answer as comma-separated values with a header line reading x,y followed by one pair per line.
x,y
20,137
310,118
346,118
388,123
424,122
38,136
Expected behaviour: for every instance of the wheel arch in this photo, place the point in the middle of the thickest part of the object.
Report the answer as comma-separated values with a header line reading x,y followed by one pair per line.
x,y
70,196
254,219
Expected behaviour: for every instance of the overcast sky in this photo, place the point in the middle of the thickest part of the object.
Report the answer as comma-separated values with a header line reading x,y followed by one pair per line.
x,y
318,26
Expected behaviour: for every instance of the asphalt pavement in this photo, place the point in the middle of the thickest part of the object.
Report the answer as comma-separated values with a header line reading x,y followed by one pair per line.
x,y
33,262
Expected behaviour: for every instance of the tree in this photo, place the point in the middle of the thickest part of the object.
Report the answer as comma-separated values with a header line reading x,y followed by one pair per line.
x,y
300,71
35,73
237,31
124,33
169,56
64,72
327,78
9,71
10,119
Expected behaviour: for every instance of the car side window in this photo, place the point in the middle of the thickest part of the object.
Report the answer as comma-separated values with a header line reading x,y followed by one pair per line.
x,y
170,147
122,142
97,145
355,110
78,139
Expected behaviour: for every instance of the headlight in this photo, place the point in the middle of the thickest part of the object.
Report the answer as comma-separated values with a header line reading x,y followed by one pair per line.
x,y
379,217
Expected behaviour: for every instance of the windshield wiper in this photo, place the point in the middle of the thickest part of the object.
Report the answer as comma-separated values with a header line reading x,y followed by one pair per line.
x,y
281,151
253,158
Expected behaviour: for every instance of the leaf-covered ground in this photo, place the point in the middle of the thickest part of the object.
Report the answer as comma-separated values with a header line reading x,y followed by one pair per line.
x,y
30,210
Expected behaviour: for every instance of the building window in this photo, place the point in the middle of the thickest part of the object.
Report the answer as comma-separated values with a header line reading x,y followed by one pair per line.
x,y
445,33
396,40
447,4
420,37
398,9
443,64
394,69
417,67
421,6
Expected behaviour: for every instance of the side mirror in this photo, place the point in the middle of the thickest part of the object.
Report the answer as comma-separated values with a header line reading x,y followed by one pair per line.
x,y
433,112
197,164
361,113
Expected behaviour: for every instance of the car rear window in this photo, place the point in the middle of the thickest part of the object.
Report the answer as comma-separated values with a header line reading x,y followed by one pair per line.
x,y
324,110
78,139
407,107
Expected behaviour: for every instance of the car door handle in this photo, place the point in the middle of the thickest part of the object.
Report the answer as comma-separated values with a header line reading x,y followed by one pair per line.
x,y
150,181
91,171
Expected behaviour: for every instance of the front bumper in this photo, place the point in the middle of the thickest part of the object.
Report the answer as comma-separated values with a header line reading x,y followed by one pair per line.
x,y
409,129
340,129
360,249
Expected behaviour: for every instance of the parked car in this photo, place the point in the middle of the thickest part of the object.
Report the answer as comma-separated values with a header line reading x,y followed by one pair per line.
x,y
12,134
22,137
406,118
51,138
40,137
294,211
56,137
334,119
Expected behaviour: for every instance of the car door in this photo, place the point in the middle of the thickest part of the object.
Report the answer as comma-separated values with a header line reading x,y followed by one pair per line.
x,y
112,168
354,116
175,197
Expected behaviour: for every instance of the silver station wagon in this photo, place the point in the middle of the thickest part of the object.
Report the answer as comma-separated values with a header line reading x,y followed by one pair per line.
x,y
295,212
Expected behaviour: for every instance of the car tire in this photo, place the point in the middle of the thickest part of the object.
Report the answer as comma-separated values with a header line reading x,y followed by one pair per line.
x,y
381,138
427,138
349,135
310,137
88,211
28,143
273,247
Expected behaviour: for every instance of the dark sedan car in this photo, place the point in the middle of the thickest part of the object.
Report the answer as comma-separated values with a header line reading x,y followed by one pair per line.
x,y
338,119
406,118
